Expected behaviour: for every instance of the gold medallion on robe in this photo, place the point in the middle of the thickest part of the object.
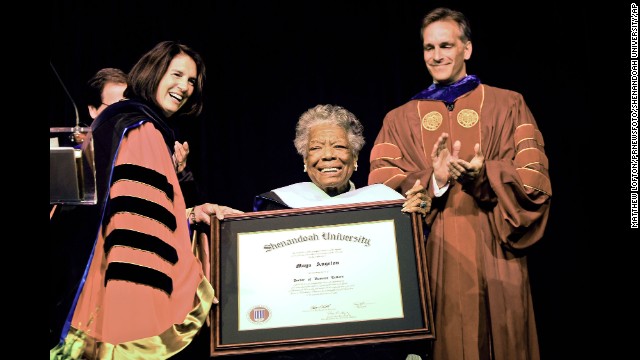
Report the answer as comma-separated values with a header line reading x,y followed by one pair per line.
x,y
467,118
432,121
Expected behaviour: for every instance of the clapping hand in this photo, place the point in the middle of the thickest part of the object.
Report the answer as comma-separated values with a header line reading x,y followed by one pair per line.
x,y
180,153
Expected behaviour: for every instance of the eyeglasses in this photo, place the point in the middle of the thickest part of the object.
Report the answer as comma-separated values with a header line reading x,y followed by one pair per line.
x,y
111,103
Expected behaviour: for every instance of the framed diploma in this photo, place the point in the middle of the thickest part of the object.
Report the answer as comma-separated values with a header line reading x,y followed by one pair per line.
x,y
318,277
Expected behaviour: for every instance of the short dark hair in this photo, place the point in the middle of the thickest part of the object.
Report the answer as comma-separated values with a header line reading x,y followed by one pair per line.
x,y
146,74
96,84
443,13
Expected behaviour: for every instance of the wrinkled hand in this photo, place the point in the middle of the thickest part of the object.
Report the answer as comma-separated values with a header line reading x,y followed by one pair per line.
x,y
202,213
417,200
180,153
467,171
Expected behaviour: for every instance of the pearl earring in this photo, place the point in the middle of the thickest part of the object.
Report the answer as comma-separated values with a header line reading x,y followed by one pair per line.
x,y
356,167
305,168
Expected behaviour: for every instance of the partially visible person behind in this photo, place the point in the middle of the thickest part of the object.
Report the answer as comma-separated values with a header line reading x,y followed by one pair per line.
x,y
329,139
479,152
144,294
105,87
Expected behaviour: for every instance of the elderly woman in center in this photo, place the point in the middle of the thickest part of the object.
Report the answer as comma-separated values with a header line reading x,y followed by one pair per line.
x,y
329,139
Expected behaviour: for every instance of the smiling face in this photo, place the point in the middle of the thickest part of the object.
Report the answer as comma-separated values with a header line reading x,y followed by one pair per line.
x,y
330,161
445,52
177,84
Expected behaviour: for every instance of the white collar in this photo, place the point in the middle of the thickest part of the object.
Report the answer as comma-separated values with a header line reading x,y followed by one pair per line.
x,y
307,194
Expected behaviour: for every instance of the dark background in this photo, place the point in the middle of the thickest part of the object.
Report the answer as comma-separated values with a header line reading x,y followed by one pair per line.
x,y
268,62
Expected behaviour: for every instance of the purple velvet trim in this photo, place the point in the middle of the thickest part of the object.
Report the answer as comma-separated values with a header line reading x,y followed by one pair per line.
x,y
448,93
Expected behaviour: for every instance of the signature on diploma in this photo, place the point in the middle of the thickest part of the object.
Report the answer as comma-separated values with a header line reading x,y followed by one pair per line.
x,y
338,315
360,305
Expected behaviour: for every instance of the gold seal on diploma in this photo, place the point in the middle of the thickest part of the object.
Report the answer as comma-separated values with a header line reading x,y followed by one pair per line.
x,y
432,121
467,118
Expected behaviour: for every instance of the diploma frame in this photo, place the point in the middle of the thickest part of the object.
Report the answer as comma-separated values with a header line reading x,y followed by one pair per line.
x,y
416,323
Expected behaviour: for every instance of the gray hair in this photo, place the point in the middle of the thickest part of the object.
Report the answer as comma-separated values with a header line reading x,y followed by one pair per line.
x,y
329,114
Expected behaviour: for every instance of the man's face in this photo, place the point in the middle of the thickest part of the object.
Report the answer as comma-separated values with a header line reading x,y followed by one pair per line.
x,y
112,92
444,52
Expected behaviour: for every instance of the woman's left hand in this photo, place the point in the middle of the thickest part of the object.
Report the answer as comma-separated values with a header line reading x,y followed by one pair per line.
x,y
180,153
417,200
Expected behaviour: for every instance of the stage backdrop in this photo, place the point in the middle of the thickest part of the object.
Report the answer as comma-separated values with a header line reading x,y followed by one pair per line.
x,y
268,62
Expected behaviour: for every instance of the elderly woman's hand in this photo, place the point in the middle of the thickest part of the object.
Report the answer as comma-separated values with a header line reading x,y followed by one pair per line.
x,y
417,200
